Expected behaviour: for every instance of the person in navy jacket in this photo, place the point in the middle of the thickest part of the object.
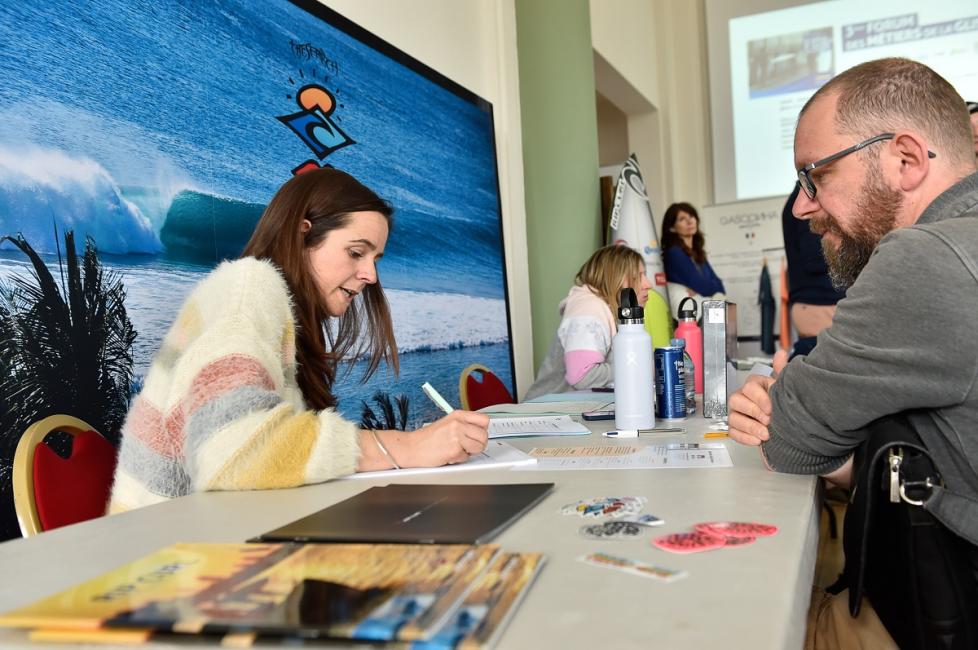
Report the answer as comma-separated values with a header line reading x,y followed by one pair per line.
x,y
683,253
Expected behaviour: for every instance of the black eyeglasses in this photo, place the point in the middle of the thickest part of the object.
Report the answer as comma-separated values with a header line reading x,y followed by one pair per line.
x,y
803,174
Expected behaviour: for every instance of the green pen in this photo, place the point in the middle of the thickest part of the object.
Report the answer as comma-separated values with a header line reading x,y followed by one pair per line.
x,y
436,397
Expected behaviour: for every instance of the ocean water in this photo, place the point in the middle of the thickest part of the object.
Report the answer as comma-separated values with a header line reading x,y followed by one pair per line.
x,y
432,348
153,129
439,367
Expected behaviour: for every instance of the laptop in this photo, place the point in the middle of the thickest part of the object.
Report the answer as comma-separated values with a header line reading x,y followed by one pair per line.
x,y
416,514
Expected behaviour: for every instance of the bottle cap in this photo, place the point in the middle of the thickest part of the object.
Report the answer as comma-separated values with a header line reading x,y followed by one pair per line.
x,y
628,308
677,343
687,314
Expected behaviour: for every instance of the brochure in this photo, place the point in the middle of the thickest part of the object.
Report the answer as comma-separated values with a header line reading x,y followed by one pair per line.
x,y
378,593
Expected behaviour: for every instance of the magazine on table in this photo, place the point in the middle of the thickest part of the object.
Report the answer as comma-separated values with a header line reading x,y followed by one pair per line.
x,y
424,596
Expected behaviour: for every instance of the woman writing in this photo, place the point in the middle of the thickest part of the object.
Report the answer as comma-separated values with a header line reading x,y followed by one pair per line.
x,y
579,355
239,396
683,254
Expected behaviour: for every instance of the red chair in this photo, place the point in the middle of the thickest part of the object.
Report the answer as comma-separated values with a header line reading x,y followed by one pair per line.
x,y
478,388
51,491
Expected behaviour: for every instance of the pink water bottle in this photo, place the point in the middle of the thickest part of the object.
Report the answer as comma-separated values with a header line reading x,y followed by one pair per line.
x,y
689,330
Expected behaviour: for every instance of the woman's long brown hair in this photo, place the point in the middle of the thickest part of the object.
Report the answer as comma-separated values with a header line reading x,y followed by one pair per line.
x,y
325,197
670,238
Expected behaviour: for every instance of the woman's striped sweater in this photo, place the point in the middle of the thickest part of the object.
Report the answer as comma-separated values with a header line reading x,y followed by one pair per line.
x,y
220,408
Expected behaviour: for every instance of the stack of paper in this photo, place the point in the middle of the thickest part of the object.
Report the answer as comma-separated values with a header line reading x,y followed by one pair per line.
x,y
429,596
562,407
673,455
539,425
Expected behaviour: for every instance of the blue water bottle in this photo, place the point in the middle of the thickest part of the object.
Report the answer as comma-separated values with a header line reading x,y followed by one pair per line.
x,y
632,353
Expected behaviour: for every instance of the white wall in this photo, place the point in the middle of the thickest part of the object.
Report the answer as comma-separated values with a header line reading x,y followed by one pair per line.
x,y
654,52
681,53
472,42
621,31
625,72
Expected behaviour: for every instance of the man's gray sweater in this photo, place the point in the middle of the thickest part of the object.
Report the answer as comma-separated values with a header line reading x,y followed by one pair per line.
x,y
905,337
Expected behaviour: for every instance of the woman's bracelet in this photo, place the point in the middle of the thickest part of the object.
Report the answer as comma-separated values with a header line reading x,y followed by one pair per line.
x,y
383,449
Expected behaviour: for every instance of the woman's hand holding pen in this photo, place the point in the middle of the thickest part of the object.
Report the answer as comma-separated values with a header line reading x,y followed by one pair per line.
x,y
452,439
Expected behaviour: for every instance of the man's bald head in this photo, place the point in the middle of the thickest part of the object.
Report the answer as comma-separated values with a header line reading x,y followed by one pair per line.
x,y
890,95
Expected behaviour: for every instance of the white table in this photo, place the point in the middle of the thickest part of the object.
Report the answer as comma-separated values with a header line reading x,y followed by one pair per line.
x,y
754,596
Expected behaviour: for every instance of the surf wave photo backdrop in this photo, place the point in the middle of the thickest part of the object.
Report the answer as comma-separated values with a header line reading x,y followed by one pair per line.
x,y
161,131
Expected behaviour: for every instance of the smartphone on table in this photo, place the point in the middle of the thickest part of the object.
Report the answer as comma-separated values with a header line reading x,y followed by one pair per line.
x,y
599,415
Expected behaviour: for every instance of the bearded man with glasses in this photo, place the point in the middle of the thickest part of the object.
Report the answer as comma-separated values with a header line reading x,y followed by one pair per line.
x,y
884,157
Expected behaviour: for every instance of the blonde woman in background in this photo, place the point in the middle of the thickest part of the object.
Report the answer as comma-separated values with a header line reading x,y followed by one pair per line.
x,y
579,357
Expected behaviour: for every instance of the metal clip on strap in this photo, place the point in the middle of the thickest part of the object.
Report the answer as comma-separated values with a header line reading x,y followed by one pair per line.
x,y
927,483
896,488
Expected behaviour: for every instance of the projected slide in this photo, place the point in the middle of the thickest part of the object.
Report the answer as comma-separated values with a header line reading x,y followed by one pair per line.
x,y
779,59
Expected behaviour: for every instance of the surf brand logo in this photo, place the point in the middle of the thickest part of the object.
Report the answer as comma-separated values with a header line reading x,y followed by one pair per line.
x,y
315,126
633,177
310,52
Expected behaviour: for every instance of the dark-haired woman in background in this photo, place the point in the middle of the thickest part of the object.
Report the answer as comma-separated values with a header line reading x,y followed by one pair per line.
x,y
683,254
240,394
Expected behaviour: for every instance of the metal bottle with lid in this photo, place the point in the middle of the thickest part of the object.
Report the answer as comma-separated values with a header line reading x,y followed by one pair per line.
x,y
689,330
632,354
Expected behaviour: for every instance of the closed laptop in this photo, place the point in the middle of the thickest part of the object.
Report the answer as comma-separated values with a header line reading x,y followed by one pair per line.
x,y
416,514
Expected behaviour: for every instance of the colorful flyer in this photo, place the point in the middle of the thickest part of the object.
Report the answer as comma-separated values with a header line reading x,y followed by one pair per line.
x,y
634,567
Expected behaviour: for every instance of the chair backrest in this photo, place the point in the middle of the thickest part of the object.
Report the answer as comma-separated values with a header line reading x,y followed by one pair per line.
x,y
478,388
51,491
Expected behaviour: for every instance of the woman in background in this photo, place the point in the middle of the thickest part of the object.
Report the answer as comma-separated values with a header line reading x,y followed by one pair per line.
x,y
240,394
579,356
683,254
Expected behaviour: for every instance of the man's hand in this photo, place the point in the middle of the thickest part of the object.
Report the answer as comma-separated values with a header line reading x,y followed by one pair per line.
x,y
750,407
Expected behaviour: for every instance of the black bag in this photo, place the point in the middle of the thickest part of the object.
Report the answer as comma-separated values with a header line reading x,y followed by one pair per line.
x,y
920,576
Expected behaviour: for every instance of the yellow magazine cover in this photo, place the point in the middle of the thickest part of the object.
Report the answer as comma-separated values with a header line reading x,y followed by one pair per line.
x,y
358,591
172,572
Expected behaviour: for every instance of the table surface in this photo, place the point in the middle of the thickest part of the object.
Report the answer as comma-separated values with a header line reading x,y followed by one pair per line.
x,y
754,596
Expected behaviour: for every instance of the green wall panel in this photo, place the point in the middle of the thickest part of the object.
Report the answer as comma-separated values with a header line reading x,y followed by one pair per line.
x,y
560,152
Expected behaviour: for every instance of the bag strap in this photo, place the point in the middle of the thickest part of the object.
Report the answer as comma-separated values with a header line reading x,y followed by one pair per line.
x,y
920,485
956,511
868,463
925,489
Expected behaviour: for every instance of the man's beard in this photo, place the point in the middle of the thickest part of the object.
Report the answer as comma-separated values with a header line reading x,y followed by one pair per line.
x,y
874,216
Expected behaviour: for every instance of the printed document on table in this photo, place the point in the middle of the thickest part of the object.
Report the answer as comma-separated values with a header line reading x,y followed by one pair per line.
x,y
497,455
673,455
540,425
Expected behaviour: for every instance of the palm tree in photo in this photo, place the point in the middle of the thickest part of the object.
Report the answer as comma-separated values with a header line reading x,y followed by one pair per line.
x,y
386,417
9,430
63,348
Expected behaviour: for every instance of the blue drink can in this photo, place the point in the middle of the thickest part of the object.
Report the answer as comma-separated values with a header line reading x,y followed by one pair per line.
x,y
670,383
